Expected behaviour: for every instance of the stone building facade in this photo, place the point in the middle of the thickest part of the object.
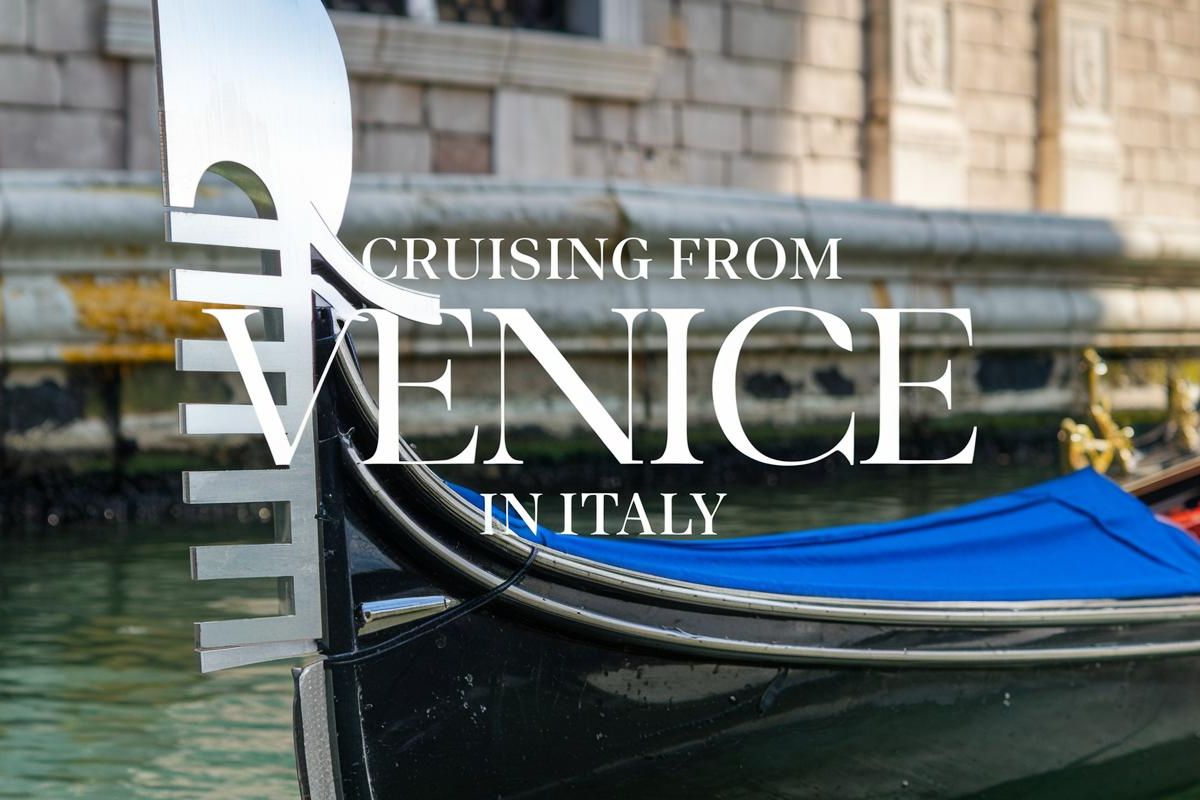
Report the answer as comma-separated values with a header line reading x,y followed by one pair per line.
x,y
1078,106
908,129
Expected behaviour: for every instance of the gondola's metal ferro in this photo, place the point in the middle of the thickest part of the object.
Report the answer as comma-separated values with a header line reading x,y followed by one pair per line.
x,y
272,115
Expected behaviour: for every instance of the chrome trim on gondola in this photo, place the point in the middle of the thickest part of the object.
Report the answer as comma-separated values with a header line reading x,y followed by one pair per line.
x,y
950,613
774,652
380,615
311,734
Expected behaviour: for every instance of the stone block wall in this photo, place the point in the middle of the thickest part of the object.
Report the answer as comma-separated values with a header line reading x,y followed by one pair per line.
x,y
400,126
1072,106
62,104
997,80
1157,98
764,96
415,128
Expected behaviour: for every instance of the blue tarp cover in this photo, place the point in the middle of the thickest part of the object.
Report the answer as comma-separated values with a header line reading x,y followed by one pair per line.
x,y
1079,536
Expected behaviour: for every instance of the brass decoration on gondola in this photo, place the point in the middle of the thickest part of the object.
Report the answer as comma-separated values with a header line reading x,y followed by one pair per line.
x,y
1079,448
1183,422
1099,443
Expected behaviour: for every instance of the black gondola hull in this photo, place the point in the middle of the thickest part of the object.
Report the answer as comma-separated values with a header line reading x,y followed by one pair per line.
x,y
485,709
498,703
518,698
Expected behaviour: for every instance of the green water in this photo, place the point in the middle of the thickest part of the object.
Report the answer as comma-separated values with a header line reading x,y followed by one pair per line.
x,y
99,691
100,696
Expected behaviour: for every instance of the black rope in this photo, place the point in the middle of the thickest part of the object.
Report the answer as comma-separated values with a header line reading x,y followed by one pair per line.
x,y
433,623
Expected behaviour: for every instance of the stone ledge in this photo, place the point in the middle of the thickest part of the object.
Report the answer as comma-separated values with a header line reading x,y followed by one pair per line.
x,y
375,45
1032,280
115,207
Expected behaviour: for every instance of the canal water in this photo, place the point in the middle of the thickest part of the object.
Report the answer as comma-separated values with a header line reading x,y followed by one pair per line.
x,y
99,692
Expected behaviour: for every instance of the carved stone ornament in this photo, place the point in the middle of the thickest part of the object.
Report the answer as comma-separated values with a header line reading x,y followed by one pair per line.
x,y
916,138
1079,154
1087,68
925,46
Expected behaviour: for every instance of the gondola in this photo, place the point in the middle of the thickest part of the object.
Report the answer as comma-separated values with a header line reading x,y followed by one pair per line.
x,y
461,665
453,664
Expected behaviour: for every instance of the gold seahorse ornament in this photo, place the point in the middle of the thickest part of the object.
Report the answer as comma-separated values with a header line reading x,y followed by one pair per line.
x,y
1100,443
1183,422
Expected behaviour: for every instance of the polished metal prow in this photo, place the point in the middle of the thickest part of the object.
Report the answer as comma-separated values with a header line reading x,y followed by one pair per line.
x,y
257,93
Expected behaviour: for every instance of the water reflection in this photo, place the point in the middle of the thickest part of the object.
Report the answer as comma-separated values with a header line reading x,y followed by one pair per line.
x,y
99,692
